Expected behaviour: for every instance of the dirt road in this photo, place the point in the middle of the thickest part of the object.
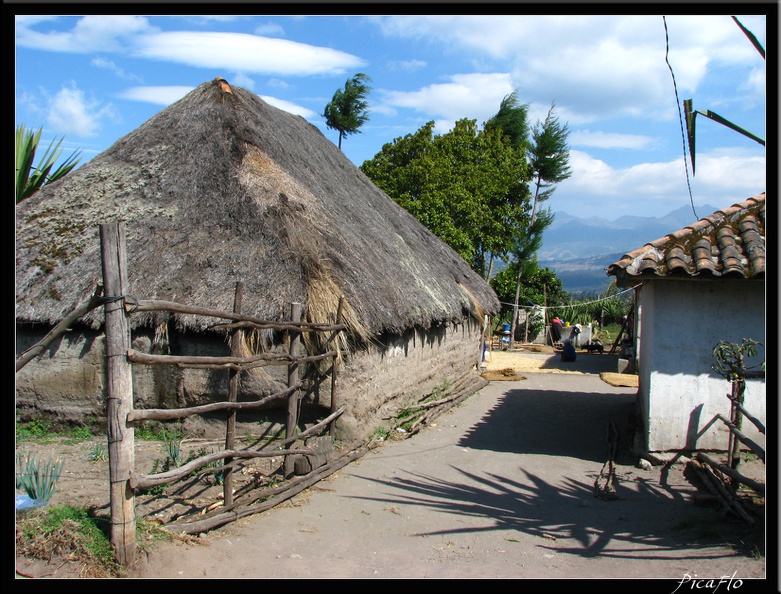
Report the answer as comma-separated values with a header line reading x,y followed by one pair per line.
x,y
502,486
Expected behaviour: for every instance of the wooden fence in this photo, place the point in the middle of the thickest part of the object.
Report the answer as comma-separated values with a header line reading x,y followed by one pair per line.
x,y
720,479
121,416
302,466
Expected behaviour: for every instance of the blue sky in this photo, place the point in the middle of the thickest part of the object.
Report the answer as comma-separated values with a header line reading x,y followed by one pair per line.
x,y
93,79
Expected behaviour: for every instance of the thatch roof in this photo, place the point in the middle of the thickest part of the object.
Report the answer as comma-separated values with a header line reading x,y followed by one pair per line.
x,y
221,187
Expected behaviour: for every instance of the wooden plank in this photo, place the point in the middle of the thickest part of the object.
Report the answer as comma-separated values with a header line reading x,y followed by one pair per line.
x,y
718,489
733,474
216,362
62,327
756,448
756,422
169,414
136,305
279,495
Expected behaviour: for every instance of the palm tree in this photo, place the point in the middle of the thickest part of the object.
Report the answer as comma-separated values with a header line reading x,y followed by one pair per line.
x,y
348,109
30,178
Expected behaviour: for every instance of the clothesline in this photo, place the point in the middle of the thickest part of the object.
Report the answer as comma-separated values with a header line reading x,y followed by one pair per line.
x,y
534,306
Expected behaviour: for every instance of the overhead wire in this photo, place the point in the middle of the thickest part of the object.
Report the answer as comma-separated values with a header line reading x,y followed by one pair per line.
x,y
581,303
680,118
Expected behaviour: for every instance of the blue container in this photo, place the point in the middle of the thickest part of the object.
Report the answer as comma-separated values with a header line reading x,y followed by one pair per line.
x,y
506,327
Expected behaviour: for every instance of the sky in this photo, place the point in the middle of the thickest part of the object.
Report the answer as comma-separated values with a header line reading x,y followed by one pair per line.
x,y
611,79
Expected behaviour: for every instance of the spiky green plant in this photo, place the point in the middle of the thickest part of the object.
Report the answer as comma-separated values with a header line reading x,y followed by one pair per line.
x,y
37,478
31,177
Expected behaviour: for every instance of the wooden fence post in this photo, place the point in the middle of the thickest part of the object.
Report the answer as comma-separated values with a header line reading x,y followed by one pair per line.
x,y
292,380
334,367
119,391
230,433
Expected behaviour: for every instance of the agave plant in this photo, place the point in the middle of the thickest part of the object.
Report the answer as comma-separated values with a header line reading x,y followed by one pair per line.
x,y
30,177
37,478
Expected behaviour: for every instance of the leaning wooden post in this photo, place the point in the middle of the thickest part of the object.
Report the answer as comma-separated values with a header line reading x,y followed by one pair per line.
x,y
736,417
119,391
233,389
292,380
334,367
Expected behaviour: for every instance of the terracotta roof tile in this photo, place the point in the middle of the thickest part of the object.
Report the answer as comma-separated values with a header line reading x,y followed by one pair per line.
x,y
730,242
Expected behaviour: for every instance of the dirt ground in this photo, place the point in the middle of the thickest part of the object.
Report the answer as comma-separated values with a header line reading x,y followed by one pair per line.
x,y
464,498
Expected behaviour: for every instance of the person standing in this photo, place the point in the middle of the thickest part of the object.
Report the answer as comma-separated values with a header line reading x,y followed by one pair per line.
x,y
555,330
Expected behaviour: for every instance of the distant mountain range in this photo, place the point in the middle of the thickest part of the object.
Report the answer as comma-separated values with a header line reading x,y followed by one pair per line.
x,y
579,250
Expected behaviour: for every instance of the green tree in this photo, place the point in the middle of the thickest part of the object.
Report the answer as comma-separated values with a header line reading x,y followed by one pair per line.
x,y
348,109
511,121
31,177
541,285
549,159
455,184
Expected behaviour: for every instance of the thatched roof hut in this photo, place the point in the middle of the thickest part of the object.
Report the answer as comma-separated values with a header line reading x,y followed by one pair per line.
x,y
221,187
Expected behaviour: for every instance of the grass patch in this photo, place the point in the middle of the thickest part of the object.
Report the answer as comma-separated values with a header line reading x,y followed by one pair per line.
x,y
39,429
43,431
381,434
77,535
79,435
64,534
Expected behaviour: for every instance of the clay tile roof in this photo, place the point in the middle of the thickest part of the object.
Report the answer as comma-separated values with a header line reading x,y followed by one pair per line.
x,y
728,243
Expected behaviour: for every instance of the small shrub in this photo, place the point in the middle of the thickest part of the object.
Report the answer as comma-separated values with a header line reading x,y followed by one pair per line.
x,y
81,434
33,429
381,434
99,452
150,431
173,448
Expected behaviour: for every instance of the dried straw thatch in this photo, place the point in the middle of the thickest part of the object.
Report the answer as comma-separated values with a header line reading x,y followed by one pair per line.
x,y
221,187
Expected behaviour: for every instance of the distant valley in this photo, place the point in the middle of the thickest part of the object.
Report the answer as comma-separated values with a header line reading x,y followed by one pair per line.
x,y
579,250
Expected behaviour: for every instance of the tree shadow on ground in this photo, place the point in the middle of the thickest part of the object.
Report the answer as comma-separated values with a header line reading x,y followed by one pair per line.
x,y
559,442
642,523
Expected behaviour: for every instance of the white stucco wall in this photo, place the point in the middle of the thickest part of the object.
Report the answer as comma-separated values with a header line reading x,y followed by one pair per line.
x,y
679,323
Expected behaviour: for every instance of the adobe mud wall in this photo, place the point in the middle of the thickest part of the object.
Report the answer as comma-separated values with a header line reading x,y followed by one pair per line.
x,y
66,384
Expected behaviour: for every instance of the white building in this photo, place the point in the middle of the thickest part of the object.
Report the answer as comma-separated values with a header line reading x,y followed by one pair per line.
x,y
697,286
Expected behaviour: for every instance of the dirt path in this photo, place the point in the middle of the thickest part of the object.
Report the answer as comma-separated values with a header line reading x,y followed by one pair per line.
x,y
502,486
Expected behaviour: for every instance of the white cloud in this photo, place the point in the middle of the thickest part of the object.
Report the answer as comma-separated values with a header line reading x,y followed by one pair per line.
x,y
104,64
608,140
69,112
654,189
242,80
289,107
756,83
406,65
89,34
592,66
270,29
156,95
476,96
734,174
246,53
